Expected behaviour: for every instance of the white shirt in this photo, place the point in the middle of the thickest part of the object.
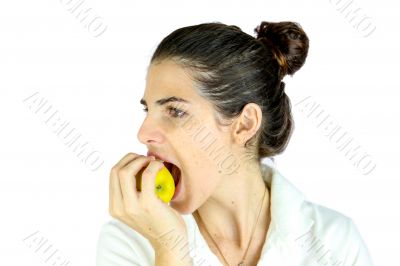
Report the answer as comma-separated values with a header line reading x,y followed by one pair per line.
x,y
300,233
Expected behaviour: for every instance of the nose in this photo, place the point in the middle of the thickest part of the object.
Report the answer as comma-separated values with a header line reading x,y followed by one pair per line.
x,y
149,133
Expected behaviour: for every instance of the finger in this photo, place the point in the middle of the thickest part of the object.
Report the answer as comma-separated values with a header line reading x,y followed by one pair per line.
x,y
149,180
125,160
116,206
115,194
127,179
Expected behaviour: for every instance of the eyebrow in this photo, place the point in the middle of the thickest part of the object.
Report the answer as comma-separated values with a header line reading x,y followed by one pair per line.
x,y
166,100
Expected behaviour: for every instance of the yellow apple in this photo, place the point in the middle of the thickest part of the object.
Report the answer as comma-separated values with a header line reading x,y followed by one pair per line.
x,y
164,185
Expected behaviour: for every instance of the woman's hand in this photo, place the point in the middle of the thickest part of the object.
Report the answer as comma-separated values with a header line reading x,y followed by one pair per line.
x,y
143,211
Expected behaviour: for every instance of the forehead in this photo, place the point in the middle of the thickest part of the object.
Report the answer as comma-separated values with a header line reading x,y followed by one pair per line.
x,y
168,79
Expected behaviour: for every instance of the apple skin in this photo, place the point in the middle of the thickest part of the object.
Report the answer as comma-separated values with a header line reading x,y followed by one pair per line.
x,y
164,184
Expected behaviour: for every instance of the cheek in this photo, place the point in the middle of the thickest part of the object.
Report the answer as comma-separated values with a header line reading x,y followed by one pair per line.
x,y
169,126
199,148
200,182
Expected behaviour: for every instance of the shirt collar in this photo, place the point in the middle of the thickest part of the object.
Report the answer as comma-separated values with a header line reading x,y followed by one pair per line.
x,y
288,221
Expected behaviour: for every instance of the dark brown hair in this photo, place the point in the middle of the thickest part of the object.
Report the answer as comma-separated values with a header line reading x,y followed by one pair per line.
x,y
232,68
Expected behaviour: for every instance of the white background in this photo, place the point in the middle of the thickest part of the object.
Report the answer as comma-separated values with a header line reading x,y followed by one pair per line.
x,y
95,84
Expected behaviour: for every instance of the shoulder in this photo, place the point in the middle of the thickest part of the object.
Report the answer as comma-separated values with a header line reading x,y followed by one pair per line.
x,y
118,244
333,237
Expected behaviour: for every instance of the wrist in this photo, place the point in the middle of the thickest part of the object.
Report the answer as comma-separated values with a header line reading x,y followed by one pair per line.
x,y
172,249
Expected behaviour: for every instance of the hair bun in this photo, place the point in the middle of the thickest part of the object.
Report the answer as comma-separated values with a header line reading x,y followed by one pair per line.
x,y
288,42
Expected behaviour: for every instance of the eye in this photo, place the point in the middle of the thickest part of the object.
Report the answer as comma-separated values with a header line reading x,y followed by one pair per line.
x,y
176,112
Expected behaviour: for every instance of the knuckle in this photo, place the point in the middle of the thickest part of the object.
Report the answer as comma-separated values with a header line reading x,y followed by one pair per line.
x,y
149,171
114,170
113,213
118,213
122,172
131,155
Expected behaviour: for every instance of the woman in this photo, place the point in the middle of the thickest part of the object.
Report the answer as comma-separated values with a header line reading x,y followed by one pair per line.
x,y
216,106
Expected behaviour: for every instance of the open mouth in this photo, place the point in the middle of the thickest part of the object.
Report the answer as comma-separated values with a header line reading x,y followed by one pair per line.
x,y
175,171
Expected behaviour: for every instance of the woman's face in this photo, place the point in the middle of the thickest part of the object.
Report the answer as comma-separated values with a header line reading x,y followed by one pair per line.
x,y
187,136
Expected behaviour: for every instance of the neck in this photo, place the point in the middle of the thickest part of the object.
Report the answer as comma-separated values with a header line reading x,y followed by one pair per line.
x,y
237,209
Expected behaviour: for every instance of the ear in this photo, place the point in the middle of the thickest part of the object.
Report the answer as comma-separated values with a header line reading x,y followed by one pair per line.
x,y
247,124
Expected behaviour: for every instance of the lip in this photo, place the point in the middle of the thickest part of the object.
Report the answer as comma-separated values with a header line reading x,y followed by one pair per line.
x,y
150,153
177,190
